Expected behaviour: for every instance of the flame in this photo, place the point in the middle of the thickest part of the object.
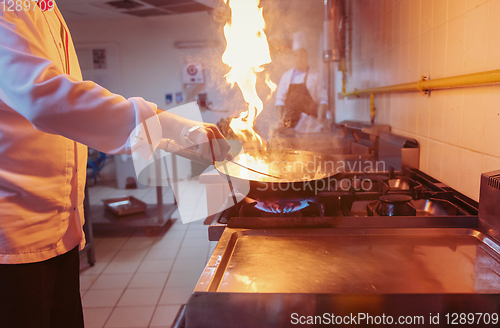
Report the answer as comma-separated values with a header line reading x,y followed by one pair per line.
x,y
282,208
257,163
271,86
246,53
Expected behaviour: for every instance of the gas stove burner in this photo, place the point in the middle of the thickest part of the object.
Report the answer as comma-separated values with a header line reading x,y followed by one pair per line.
x,y
392,205
413,194
395,199
307,207
282,207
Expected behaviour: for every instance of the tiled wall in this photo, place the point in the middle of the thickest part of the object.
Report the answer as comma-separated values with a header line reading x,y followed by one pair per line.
x,y
398,41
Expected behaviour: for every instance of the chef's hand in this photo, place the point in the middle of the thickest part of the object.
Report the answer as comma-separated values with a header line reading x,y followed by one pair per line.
x,y
187,133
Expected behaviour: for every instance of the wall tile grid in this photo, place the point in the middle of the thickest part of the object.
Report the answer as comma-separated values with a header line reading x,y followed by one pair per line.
x,y
398,41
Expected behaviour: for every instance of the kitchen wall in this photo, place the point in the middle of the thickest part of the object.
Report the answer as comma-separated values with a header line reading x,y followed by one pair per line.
x,y
150,64
398,41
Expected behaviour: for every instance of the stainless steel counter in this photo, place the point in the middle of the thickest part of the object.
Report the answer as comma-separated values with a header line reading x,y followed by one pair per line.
x,y
352,260
259,277
267,268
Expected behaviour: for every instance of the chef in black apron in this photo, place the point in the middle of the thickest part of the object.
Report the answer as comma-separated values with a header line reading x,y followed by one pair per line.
x,y
297,99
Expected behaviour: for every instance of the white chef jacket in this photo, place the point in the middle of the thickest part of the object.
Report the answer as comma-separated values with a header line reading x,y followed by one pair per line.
x,y
47,116
314,85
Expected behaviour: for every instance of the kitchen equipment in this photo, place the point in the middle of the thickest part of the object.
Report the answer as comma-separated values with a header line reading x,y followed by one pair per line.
x,y
392,205
124,205
323,142
348,260
328,143
335,252
190,153
152,218
252,170
363,137
489,205
310,172
334,256
261,277
398,151
354,200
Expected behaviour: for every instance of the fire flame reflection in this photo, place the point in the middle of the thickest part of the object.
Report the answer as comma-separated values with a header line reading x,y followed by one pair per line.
x,y
246,53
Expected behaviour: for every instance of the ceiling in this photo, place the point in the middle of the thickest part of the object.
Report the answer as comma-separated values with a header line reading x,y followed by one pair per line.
x,y
106,9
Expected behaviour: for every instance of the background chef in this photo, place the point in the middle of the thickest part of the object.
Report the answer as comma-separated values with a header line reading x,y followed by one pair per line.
x,y
301,90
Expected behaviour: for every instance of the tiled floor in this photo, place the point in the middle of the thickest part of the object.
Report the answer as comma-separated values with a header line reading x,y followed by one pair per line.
x,y
140,281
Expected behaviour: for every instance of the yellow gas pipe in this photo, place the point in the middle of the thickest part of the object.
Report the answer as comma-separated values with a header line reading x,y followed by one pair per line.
x,y
459,81
466,80
373,111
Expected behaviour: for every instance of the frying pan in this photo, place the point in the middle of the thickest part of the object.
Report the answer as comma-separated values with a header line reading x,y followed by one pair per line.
x,y
303,174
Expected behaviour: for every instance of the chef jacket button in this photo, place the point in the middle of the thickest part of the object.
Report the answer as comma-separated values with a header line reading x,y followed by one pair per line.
x,y
74,208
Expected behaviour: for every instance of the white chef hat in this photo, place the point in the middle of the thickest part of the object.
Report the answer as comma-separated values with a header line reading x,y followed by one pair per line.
x,y
299,41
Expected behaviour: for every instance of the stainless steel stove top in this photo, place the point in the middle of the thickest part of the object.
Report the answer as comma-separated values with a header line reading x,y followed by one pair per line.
x,y
358,197
387,243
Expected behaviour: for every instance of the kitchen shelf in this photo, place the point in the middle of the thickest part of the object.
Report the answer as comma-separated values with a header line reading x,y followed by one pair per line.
x,y
153,219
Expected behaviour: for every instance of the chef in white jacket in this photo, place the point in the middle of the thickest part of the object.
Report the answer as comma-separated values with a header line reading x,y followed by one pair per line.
x,y
300,90
48,117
